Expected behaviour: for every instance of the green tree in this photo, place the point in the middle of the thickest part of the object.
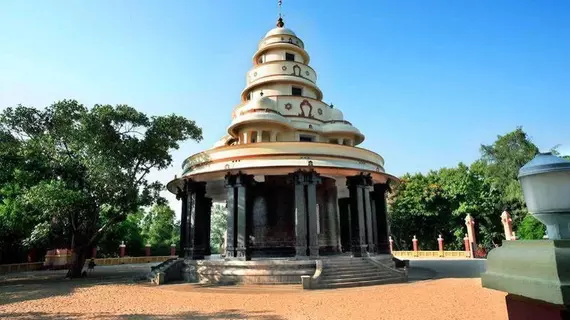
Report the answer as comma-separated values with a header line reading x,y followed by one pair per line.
x,y
504,158
128,231
97,161
437,202
531,229
218,227
160,228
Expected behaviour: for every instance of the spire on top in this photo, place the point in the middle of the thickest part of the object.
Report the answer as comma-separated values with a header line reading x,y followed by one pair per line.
x,y
280,22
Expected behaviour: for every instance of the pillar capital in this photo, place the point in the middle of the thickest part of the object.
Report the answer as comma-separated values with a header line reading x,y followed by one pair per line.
x,y
238,180
469,220
506,217
360,180
305,177
381,187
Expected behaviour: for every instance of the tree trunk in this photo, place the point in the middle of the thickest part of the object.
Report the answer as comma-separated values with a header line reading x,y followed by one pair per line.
x,y
77,262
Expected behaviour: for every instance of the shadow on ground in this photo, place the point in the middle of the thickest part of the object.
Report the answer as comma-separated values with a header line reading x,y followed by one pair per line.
x,y
438,269
39,289
226,314
34,285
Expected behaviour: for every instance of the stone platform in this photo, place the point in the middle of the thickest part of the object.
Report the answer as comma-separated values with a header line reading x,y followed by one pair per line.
x,y
266,271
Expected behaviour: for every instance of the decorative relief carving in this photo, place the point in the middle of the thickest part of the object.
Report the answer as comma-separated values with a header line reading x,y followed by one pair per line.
x,y
296,71
284,68
320,112
307,73
255,74
288,106
305,104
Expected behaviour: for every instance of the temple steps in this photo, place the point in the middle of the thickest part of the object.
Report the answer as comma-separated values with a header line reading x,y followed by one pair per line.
x,y
353,275
361,283
355,272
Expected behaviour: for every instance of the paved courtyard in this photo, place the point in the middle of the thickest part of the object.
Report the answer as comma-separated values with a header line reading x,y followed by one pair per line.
x,y
113,294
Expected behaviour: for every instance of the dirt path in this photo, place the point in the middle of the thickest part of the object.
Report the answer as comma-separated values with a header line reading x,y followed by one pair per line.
x,y
435,299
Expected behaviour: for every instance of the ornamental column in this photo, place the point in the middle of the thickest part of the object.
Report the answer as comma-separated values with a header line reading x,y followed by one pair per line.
x,y
507,224
357,186
470,223
306,235
236,188
383,245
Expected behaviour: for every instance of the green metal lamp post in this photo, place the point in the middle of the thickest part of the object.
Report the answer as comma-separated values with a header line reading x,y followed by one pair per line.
x,y
536,273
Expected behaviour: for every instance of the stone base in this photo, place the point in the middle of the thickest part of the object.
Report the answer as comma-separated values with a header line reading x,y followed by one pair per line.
x,y
258,272
536,269
314,251
189,273
521,308
300,251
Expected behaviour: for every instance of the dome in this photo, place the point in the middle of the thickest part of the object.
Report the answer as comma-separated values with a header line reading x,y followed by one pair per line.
x,y
336,115
280,31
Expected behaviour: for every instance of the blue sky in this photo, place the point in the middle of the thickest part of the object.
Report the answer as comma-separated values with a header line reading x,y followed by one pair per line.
x,y
427,82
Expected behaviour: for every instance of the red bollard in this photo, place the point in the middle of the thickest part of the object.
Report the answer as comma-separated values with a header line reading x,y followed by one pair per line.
x,y
440,245
147,250
415,243
94,252
391,244
467,246
173,249
122,249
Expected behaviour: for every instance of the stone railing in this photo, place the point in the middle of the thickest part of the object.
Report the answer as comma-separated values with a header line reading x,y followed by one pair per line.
x,y
20,267
34,266
432,254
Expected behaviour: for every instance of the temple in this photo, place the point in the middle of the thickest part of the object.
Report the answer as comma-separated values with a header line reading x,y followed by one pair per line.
x,y
290,172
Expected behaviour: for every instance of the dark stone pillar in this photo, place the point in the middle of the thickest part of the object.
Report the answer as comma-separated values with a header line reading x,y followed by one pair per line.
x,y
190,224
344,220
357,186
182,194
241,215
369,226
208,227
230,215
300,221
198,218
237,206
382,244
305,183
374,222
312,215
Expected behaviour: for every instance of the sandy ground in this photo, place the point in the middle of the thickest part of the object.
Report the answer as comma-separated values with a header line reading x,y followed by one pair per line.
x,y
452,298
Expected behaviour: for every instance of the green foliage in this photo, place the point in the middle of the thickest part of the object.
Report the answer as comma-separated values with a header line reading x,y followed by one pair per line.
x,y
159,226
82,170
435,203
531,229
218,227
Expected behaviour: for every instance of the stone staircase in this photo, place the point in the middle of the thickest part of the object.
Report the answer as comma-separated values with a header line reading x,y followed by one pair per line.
x,y
344,272
168,270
